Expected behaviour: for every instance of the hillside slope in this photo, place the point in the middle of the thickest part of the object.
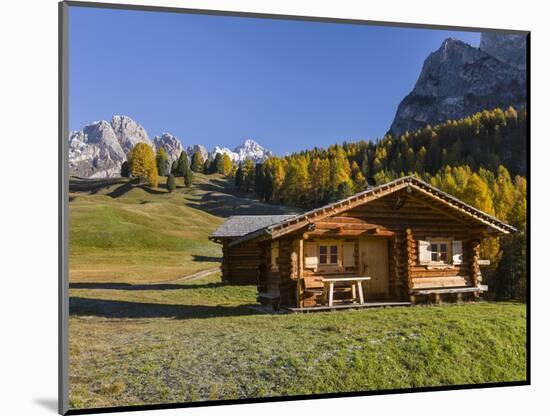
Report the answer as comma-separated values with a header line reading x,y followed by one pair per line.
x,y
125,233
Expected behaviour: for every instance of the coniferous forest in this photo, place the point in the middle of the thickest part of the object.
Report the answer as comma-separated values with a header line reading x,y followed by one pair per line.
x,y
481,159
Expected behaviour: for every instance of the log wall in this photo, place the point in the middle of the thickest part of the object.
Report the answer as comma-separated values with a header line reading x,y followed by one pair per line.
x,y
241,264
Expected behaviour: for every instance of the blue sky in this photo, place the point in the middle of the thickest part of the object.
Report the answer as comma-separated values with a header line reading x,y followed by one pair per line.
x,y
218,80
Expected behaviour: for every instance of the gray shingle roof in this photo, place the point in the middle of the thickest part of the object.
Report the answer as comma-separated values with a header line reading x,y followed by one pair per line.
x,y
239,225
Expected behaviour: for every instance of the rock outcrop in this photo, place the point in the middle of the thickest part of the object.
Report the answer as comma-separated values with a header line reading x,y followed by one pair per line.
x,y
95,152
129,133
191,150
458,80
100,148
170,143
511,49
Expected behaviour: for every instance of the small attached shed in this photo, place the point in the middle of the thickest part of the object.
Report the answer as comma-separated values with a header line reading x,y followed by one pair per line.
x,y
407,238
240,263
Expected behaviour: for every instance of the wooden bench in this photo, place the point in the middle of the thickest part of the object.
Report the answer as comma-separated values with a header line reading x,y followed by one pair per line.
x,y
443,285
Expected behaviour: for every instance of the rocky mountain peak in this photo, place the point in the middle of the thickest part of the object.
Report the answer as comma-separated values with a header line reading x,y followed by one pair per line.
x,y
509,48
95,151
191,150
129,133
458,80
250,149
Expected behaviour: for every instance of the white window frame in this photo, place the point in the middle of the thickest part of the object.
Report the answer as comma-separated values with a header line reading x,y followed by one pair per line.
x,y
425,252
439,241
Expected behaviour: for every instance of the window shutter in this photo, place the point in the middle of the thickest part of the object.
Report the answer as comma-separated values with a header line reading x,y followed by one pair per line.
x,y
457,252
349,254
424,254
274,255
311,260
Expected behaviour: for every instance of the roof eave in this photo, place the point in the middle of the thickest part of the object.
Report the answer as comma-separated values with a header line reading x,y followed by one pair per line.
x,y
261,234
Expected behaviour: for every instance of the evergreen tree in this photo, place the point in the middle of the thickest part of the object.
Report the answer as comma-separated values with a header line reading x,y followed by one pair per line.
x,y
268,187
188,177
125,169
259,180
182,165
170,183
207,166
162,162
239,177
359,181
248,175
197,162
217,164
345,189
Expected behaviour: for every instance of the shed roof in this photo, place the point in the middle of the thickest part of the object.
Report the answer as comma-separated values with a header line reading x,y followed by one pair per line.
x,y
283,226
240,225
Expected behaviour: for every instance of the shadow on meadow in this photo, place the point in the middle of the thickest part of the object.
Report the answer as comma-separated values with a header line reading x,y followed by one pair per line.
x,y
200,258
79,306
128,286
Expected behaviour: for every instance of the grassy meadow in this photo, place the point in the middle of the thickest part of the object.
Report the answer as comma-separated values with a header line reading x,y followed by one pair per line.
x,y
141,333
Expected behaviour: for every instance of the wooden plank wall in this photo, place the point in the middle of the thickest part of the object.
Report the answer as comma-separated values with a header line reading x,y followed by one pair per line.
x,y
264,267
241,264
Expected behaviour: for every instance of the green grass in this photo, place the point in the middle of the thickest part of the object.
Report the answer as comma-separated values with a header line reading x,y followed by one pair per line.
x,y
140,336
200,341
123,233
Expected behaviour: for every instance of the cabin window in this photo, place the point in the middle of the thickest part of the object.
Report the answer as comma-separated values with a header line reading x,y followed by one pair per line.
x,y
440,251
328,254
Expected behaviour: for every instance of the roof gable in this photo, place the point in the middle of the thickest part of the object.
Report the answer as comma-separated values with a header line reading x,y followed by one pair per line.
x,y
454,204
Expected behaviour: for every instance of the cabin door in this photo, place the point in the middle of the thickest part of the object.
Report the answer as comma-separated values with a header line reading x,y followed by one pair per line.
x,y
374,263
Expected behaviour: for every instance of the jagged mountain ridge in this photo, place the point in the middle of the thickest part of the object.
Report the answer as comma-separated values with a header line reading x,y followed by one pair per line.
x,y
100,148
458,80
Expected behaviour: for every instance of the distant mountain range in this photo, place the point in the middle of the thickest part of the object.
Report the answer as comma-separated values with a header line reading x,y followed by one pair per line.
x,y
100,148
458,80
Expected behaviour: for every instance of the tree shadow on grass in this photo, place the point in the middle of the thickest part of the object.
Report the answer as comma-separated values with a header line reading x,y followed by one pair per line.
x,y
199,258
93,185
121,190
153,286
122,309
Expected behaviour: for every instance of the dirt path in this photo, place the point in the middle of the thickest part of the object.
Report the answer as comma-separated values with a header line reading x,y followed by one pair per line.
x,y
194,276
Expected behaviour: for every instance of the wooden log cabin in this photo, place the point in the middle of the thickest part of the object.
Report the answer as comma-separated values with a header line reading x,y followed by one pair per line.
x,y
407,239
